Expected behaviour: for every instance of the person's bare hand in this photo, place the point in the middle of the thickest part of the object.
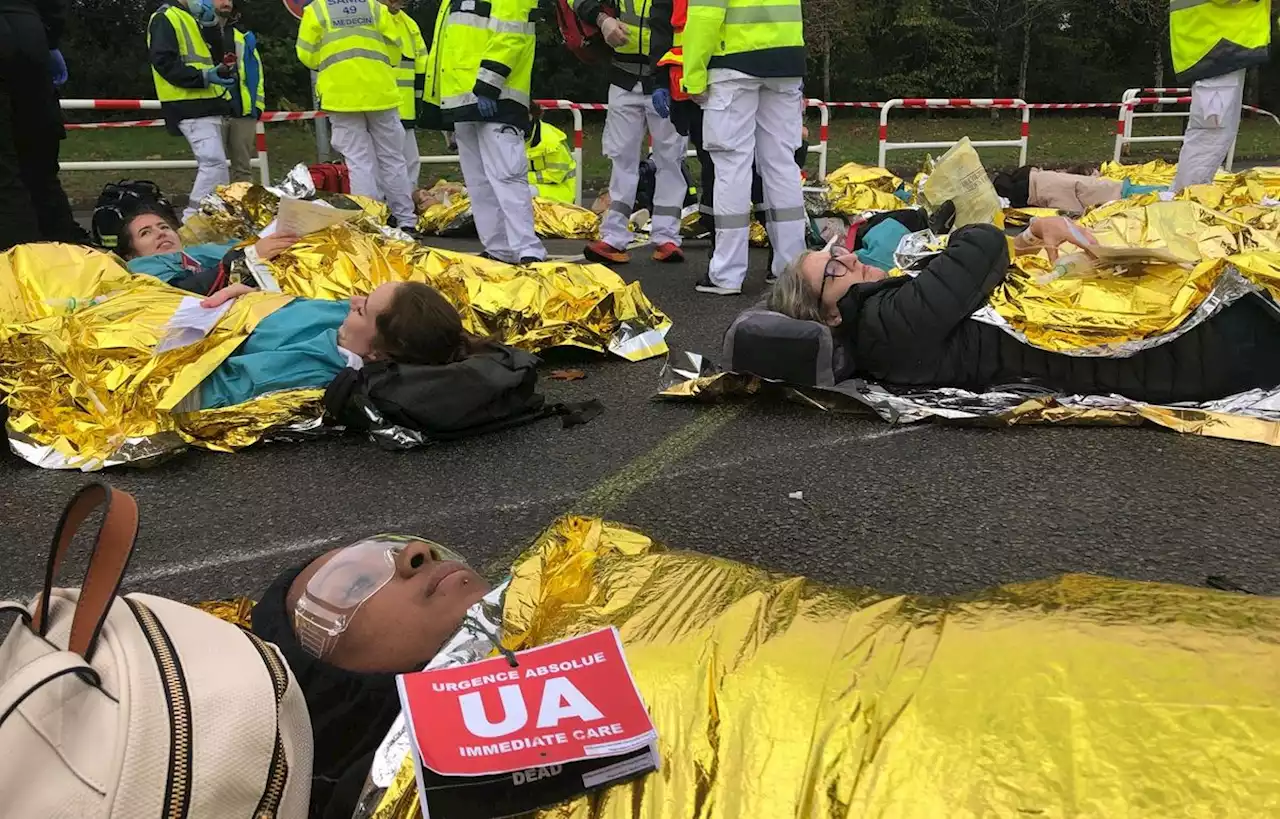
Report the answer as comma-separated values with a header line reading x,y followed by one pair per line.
x,y
1055,231
273,246
225,295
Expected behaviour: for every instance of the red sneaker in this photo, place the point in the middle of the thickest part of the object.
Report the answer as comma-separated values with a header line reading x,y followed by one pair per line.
x,y
604,253
668,253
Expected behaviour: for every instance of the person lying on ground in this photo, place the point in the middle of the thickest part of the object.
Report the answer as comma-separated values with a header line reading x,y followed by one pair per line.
x,y
308,342
916,332
1064,190
150,244
347,622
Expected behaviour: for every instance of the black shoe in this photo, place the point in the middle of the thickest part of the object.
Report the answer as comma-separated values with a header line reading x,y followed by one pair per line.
x,y
770,278
705,285
531,260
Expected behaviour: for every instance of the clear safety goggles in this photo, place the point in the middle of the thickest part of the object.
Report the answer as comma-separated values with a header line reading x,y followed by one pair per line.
x,y
350,578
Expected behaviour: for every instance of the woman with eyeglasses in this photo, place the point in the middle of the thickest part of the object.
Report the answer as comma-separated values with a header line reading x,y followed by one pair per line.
x,y
347,622
916,332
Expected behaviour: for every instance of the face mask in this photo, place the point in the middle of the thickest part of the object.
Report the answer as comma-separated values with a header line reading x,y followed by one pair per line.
x,y
202,10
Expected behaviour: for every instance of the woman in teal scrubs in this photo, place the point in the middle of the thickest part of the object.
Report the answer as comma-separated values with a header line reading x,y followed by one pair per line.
x,y
307,342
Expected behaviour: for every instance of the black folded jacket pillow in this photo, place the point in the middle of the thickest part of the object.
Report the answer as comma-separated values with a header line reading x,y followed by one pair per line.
x,y
780,348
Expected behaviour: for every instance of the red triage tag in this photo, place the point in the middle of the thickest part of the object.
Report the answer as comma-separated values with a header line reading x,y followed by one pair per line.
x,y
564,702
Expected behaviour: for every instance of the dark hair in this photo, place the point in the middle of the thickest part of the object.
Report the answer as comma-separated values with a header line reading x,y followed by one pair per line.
x,y
420,326
126,248
535,111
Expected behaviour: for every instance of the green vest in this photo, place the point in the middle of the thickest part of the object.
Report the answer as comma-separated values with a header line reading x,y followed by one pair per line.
x,y
195,53
1210,38
761,38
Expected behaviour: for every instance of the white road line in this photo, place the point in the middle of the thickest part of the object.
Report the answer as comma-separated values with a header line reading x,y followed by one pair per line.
x,y
204,564
318,544
888,433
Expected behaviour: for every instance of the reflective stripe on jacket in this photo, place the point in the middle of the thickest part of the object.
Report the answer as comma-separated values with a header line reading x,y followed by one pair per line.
x,y
354,46
484,49
552,168
762,38
412,69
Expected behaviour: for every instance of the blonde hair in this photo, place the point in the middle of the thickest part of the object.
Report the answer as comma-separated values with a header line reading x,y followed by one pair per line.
x,y
792,295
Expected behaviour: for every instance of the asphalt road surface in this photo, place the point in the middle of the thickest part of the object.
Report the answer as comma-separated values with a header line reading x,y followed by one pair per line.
x,y
926,509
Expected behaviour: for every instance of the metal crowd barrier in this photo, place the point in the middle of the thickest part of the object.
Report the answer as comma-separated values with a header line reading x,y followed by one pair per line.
x,y
955,102
1135,97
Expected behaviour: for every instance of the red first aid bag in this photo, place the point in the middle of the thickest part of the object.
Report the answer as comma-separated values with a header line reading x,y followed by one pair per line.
x,y
331,177
582,39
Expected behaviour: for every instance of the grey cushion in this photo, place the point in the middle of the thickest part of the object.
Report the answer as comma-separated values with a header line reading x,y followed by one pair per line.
x,y
778,347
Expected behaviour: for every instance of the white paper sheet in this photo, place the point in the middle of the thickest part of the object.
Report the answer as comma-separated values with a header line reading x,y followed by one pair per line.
x,y
190,323
298,218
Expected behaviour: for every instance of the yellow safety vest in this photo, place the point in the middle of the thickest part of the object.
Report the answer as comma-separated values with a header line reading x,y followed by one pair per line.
x,y
354,46
762,38
551,166
1210,38
255,97
413,61
195,53
486,48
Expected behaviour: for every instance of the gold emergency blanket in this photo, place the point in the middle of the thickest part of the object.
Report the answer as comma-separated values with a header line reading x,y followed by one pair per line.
x,y
775,696
1103,310
85,385
551,219
854,189
533,307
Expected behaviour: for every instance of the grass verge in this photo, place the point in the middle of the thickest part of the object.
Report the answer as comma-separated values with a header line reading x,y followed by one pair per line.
x,y
1055,141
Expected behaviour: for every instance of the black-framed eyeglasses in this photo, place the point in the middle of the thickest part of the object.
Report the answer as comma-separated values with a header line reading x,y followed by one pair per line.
x,y
832,270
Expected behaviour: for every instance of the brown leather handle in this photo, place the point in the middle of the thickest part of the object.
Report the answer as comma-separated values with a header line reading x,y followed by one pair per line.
x,y
110,558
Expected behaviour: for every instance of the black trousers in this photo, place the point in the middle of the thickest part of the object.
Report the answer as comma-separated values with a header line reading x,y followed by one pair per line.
x,y
33,205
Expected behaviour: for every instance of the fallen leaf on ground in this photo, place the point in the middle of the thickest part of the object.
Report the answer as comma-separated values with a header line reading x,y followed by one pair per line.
x,y
568,375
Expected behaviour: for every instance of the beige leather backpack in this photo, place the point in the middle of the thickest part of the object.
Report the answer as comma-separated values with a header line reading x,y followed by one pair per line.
x,y
138,707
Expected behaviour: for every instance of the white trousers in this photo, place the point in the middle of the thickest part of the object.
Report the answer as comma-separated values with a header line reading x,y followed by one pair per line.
x,y
495,169
372,144
205,135
412,158
624,130
746,120
1212,130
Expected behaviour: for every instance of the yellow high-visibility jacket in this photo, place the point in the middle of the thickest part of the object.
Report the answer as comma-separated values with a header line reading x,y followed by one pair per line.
x,y
411,73
180,58
354,46
485,50
1210,38
762,38
552,168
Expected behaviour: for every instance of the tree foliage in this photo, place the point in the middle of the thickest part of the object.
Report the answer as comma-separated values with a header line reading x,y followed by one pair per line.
x,y
859,49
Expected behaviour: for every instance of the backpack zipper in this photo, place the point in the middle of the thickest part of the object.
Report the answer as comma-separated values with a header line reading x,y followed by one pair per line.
x,y
177,789
278,771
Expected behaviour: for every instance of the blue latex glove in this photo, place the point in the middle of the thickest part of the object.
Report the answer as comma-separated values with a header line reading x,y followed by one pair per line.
x,y
488,107
203,11
662,102
58,67
211,78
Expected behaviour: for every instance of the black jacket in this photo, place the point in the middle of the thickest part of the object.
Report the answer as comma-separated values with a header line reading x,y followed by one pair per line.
x,y
166,59
917,332
52,13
